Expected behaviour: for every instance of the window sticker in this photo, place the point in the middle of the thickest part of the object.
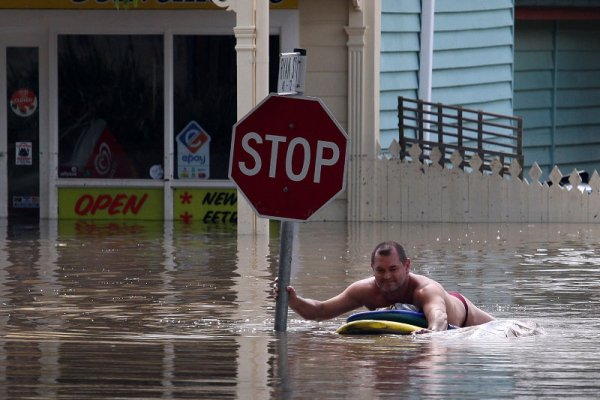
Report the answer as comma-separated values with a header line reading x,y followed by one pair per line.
x,y
193,152
23,155
23,102
97,154
26,202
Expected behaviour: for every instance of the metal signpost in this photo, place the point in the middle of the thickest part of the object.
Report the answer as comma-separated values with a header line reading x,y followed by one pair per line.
x,y
288,159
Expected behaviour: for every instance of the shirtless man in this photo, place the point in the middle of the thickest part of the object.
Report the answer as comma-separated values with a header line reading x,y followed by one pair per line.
x,y
392,283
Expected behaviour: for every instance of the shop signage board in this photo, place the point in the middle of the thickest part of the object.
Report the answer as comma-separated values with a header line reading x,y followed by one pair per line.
x,y
288,157
212,206
111,204
139,4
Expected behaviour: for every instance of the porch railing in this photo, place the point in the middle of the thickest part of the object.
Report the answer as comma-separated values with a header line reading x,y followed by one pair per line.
x,y
467,131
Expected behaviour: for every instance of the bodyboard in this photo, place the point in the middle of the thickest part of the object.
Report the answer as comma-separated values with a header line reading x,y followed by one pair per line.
x,y
376,327
404,316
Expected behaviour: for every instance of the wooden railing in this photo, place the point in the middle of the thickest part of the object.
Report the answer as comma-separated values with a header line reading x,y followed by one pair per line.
x,y
449,128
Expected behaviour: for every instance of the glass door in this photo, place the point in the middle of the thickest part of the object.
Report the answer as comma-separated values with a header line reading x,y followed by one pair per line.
x,y
20,133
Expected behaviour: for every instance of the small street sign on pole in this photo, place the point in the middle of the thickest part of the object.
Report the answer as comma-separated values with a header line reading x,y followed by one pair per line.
x,y
292,71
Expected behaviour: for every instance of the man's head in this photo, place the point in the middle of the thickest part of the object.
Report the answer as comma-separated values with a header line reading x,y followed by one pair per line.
x,y
390,266
386,249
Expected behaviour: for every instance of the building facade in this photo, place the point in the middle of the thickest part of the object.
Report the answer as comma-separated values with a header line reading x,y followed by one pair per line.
x,y
127,113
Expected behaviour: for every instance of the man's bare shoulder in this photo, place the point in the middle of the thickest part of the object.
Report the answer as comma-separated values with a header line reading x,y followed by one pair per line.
x,y
366,281
362,285
424,282
366,293
424,288
361,289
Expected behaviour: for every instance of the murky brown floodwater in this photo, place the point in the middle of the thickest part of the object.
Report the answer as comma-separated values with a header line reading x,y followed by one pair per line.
x,y
145,311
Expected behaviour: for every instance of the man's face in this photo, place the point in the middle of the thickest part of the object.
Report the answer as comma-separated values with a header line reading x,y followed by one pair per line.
x,y
389,272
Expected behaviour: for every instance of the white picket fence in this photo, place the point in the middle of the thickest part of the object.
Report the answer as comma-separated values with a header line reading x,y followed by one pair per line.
x,y
413,191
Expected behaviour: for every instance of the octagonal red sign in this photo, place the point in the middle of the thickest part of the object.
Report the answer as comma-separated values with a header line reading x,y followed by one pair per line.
x,y
288,157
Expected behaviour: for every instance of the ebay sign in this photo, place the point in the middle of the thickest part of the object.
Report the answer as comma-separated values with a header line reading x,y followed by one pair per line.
x,y
193,152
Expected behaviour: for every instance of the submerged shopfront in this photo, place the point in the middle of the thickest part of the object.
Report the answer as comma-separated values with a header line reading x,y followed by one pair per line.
x,y
122,114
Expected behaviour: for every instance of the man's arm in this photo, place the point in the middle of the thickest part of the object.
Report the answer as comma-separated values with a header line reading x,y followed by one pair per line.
x,y
317,310
431,298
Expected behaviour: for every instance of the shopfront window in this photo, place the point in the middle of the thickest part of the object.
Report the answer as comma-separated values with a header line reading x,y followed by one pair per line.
x,y
204,75
205,102
111,106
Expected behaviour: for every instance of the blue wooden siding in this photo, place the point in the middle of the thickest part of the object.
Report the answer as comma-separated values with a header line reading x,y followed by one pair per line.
x,y
473,53
557,90
399,63
472,60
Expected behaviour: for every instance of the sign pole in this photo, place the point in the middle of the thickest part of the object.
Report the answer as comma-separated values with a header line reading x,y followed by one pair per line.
x,y
283,280
292,70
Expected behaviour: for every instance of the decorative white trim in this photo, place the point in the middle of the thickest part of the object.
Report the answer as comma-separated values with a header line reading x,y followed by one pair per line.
x,y
227,4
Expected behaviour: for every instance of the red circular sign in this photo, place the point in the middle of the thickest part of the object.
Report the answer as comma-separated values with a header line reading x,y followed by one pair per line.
x,y
23,102
288,157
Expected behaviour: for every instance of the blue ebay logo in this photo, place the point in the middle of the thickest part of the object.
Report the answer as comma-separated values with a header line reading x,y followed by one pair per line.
x,y
193,137
194,159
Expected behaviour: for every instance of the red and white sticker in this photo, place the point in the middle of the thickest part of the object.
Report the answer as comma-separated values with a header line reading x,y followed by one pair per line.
x,y
23,102
23,153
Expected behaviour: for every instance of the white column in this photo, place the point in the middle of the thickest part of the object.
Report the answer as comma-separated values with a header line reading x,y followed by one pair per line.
x,y
252,48
169,139
252,36
426,56
363,107
426,50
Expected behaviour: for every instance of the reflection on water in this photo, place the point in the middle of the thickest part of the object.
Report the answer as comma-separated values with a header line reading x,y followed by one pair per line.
x,y
146,310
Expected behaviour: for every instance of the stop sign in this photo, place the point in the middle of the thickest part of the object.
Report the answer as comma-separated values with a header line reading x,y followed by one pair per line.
x,y
288,157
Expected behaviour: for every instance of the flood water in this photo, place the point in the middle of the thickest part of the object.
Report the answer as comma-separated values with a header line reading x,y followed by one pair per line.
x,y
133,310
